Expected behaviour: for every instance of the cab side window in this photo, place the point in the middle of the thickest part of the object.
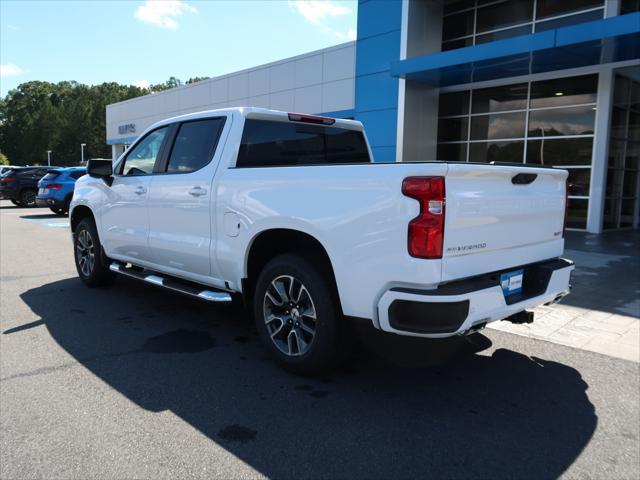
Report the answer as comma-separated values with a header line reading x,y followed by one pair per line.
x,y
194,145
142,158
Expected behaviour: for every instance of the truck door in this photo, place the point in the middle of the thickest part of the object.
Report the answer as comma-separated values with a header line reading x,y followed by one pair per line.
x,y
181,200
125,219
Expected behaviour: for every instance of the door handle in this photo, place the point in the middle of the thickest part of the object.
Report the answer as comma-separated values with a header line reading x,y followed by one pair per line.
x,y
197,191
140,190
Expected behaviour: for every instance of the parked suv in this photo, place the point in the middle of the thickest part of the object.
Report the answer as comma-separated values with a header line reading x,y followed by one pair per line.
x,y
56,188
20,185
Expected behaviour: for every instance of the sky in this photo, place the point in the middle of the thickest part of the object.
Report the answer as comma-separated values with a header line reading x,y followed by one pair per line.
x,y
143,42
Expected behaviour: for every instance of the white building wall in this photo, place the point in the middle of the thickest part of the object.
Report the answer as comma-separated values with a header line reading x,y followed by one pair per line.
x,y
316,82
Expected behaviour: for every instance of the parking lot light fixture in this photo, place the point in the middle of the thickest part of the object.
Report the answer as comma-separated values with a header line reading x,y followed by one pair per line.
x,y
82,145
49,158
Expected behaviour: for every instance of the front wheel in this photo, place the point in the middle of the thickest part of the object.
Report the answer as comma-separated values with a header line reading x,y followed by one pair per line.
x,y
91,263
297,315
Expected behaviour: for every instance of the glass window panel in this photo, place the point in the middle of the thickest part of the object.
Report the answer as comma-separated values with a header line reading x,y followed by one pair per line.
x,y
497,99
621,92
626,213
635,95
611,207
579,179
452,152
502,34
619,123
459,5
498,125
577,213
562,121
632,156
616,154
550,8
453,44
456,103
570,20
564,91
504,152
458,25
629,6
452,129
504,14
633,134
629,184
563,151
614,183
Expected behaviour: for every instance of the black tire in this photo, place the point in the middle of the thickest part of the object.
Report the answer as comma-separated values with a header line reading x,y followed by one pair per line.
x,y
85,243
16,203
57,211
320,352
28,198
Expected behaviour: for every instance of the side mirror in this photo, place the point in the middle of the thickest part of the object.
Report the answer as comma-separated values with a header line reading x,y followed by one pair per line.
x,y
101,169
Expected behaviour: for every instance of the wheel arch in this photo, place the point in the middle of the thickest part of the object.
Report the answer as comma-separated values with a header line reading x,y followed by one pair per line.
x,y
78,213
269,243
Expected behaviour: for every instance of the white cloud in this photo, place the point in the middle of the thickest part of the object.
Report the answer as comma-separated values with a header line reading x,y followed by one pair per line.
x,y
142,84
316,11
351,34
10,70
163,13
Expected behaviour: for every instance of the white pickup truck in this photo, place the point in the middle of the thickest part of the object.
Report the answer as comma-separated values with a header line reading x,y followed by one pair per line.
x,y
288,212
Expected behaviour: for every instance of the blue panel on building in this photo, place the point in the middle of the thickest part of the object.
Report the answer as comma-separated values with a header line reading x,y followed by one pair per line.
x,y
380,126
375,54
375,92
378,16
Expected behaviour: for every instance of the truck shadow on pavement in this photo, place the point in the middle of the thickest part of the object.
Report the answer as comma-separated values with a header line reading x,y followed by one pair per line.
x,y
444,410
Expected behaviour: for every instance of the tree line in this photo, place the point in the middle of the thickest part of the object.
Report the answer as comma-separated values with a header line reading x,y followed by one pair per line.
x,y
40,116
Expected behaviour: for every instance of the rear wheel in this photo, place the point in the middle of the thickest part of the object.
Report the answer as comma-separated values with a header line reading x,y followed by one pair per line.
x,y
28,198
297,315
57,211
91,263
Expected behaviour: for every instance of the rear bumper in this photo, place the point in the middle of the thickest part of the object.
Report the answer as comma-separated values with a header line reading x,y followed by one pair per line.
x,y
461,306
49,202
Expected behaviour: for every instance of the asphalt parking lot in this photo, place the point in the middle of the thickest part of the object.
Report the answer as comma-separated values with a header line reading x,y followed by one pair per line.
x,y
134,382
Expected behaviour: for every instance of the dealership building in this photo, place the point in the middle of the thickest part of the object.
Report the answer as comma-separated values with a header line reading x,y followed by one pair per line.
x,y
541,82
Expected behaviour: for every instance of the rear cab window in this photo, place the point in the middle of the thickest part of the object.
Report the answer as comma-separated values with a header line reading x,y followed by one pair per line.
x,y
268,143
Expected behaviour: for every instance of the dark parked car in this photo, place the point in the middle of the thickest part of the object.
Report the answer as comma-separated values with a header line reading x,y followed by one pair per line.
x,y
20,185
56,188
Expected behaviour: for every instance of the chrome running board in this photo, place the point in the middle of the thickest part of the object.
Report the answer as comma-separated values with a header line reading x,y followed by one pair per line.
x,y
180,286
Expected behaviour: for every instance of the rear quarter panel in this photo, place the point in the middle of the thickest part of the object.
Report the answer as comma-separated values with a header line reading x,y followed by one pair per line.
x,y
357,212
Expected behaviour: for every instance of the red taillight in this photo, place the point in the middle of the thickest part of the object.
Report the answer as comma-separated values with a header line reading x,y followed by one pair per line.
x,y
426,231
53,186
299,117
7,179
566,208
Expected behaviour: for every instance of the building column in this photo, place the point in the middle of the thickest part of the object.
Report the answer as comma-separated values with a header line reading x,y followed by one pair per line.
x,y
600,154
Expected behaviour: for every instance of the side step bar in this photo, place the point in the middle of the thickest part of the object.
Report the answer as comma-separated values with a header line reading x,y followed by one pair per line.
x,y
171,284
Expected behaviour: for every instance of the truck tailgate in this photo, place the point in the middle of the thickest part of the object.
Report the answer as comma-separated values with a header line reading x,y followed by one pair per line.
x,y
500,216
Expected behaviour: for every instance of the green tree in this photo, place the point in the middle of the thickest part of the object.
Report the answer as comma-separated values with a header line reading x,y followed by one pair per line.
x,y
173,82
3,159
196,79
40,116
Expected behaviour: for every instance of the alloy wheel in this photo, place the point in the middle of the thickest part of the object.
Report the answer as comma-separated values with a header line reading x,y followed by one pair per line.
x,y
85,253
290,315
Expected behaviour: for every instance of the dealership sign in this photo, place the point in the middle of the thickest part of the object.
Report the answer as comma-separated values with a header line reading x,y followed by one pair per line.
x,y
127,128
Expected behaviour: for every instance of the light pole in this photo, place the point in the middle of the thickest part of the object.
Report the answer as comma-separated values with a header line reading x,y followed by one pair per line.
x,y
49,158
82,145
